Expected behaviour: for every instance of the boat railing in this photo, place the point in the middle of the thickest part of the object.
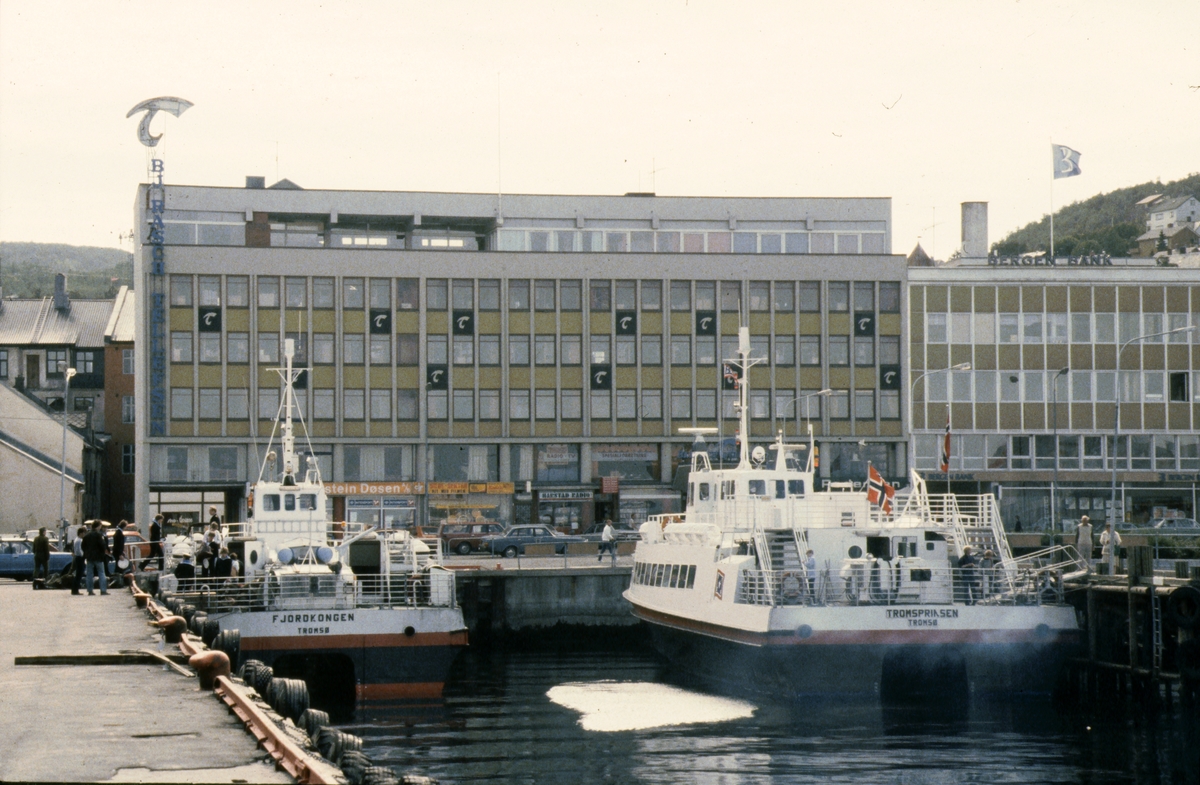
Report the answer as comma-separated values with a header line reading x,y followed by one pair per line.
x,y
433,588
1032,582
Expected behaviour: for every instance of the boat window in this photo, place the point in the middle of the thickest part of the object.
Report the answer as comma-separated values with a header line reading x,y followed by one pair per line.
x,y
780,488
270,502
308,501
758,487
795,487
703,491
691,576
793,462
691,493
772,461
289,501
727,489
674,576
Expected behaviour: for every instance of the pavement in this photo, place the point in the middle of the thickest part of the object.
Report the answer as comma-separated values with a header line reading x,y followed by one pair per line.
x,y
107,723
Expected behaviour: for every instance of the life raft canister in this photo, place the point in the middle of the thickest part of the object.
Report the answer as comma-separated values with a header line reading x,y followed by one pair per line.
x,y
790,585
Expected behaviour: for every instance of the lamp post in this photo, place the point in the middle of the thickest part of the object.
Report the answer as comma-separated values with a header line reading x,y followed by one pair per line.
x,y
1112,515
62,485
796,410
912,448
1054,482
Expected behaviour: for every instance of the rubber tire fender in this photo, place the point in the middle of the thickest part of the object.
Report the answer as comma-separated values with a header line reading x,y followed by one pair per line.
x,y
1183,607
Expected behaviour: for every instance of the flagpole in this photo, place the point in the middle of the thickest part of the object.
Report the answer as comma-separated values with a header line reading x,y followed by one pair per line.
x,y
1052,165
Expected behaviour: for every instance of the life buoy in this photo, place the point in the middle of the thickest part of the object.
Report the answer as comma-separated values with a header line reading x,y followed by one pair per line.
x,y
1183,607
790,585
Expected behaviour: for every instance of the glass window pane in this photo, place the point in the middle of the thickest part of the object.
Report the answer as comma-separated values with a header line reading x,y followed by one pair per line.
x,y
518,295
681,295
839,296
353,293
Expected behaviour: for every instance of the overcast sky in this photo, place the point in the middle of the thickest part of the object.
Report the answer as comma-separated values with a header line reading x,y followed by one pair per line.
x,y
931,104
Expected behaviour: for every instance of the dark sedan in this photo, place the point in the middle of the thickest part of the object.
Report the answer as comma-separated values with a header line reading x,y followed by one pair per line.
x,y
16,558
513,541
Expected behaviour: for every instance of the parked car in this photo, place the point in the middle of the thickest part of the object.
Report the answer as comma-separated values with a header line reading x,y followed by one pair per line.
x,y
136,546
513,541
465,538
16,558
624,532
1174,526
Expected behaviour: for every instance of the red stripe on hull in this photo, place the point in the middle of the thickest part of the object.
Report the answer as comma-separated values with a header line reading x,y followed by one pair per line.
x,y
860,637
302,642
410,691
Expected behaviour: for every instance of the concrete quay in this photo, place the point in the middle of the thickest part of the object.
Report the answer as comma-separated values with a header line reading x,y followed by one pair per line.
x,y
107,723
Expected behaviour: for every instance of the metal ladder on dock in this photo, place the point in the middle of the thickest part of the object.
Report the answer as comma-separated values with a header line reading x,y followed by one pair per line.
x,y
1157,630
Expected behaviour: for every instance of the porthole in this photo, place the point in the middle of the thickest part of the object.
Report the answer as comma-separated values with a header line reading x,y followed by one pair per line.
x,y
855,552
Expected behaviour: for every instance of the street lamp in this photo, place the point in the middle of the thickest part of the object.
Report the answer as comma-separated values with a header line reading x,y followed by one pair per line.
x,y
1054,482
62,485
912,448
1112,515
796,410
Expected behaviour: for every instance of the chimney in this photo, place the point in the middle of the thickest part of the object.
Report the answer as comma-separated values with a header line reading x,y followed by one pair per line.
x,y
974,230
256,182
61,301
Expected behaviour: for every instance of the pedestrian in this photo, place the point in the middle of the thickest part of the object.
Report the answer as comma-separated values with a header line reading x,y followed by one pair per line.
x,y
987,569
204,556
223,566
810,569
118,544
185,569
41,555
607,543
95,552
77,562
1017,527
969,573
156,541
1110,546
214,520
1083,540
235,568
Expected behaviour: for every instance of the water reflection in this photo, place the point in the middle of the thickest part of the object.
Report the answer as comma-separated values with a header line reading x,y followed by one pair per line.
x,y
608,706
545,716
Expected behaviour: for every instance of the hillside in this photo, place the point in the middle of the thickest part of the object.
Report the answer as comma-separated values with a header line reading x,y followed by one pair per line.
x,y
28,269
1107,223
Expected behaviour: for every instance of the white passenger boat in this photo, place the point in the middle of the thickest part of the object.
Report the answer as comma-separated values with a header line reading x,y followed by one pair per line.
x,y
370,607
886,610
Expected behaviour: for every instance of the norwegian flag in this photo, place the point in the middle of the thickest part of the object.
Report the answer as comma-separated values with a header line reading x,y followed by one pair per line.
x,y
879,491
946,446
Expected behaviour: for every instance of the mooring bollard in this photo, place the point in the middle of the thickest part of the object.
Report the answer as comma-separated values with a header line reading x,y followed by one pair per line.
x,y
209,665
172,626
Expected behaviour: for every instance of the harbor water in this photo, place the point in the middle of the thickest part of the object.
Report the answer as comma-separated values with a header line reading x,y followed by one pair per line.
x,y
616,713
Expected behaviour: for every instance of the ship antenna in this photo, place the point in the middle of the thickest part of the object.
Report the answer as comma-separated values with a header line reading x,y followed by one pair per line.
x,y
289,437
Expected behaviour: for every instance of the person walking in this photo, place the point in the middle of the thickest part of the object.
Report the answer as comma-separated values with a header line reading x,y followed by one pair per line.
x,y
607,538
1110,547
77,562
118,546
41,556
1083,540
95,551
156,541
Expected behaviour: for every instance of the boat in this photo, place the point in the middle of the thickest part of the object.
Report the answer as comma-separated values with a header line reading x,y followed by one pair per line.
x,y
881,609
353,605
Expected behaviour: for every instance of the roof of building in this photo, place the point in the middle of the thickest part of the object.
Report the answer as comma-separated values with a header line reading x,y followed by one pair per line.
x,y
918,258
120,322
1169,233
1169,203
35,321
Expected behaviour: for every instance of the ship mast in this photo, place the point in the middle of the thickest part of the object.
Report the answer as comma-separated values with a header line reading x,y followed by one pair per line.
x,y
288,437
743,384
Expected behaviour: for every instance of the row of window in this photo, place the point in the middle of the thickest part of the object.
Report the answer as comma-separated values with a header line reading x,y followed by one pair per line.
x,y
541,349
645,241
86,361
1144,452
668,576
1073,386
1038,328
523,405
543,294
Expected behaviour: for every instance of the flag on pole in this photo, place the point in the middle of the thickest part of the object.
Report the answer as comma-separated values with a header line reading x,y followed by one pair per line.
x,y
1066,161
946,445
879,491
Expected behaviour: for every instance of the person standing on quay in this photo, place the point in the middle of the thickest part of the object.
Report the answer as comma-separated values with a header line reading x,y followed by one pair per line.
x,y
41,555
1083,540
156,541
1110,543
95,551
118,546
77,563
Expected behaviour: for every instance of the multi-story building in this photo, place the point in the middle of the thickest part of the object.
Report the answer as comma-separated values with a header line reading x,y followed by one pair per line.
x,y
1052,347
119,396
477,355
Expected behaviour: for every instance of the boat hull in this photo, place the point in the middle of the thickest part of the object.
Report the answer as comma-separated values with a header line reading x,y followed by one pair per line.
x,y
865,662
396,654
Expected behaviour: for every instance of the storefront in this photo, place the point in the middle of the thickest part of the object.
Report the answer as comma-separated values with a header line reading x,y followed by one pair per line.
x,y
636,505
568,511
467,502
390,505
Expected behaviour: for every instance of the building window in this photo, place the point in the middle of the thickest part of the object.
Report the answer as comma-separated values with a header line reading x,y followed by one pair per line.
x,y
706,350
731,295
489,404
489,350
760,295
464,350
599,296
785,350
935,328
706,404
839,350
601,406
237,404
889,350
760,347
210,404
322,293
543,295
864,350
651,295
322,349
839,296
760,404
785,296
353,404
268,292
626,350
809,299
295,291
181,350
889,297
464,404
518,295
437,405
181,403
210,347
406,405
839,405
681,295
268,403
810,350
681,404
85,362
268,348
238,347
462,294
571,349
651,405
323,408
127,363
436,294
518,350
518,404
600,349
626,295
681,350
543,349
544,404
572,405
181,291
127,459
381,404
651,350
627,404
864,296
489,295
571,295
864,404
128,409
